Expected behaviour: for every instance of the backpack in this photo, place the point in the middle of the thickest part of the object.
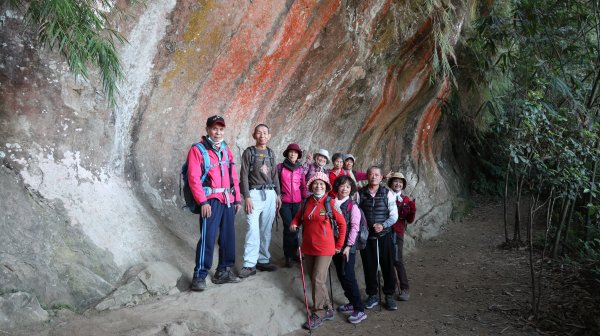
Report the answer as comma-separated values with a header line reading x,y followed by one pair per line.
x,y
363,229
190,202
253,157
407,209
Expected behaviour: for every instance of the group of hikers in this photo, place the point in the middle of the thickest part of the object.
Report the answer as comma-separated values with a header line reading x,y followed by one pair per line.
x,y
324,203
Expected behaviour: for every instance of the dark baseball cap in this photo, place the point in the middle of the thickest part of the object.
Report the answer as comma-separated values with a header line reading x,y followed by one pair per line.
x,y
215,120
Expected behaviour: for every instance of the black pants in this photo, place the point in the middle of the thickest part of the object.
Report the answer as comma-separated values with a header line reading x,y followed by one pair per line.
x,y
399,263
290,239
347,276
386,260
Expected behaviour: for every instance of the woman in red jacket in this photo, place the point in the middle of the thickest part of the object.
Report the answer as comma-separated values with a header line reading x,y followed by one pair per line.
x,y
319,244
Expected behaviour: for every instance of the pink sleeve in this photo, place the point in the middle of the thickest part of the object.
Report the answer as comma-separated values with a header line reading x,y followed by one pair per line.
x,y
360,176
195,163
354,224
303,190
234,177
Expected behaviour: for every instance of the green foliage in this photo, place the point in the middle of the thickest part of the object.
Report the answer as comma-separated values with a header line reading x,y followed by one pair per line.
x,y
61,306
442,13
81,31
538,67
590,257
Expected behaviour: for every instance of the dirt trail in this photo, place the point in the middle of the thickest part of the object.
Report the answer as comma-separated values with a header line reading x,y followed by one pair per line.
x,y
461,284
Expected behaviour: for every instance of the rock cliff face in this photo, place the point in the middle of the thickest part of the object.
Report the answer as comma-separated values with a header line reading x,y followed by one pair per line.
x,y
349,76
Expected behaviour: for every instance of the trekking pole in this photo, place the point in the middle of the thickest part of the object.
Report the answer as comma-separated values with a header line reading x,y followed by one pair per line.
x,y
379,275
304,289
330,286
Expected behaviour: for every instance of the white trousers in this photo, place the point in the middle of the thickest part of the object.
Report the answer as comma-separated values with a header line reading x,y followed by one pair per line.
x,y
259,225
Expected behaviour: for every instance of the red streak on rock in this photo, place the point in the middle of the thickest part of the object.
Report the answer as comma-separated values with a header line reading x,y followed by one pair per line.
x,y
427,125
290,44
242,49
389,91
401,77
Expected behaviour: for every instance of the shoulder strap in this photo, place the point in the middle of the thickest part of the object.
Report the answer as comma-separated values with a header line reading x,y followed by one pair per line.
x,y
252,157
302,207
329,213
230,167
279,170
205,159
271,156
349,206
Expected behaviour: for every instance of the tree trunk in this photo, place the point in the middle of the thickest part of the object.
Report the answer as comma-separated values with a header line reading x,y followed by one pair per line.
x,y
531,265
587,222
517,226
506,203
549,213
561,224
568,222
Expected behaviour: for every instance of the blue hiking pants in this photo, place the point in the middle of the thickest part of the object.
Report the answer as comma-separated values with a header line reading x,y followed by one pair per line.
x,y
221,222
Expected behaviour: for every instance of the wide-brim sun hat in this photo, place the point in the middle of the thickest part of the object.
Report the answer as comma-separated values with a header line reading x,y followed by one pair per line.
x,y
396,176
349,156
294,147
319,176
322,152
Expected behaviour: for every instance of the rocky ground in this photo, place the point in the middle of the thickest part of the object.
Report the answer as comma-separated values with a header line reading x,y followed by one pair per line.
x,y
461,284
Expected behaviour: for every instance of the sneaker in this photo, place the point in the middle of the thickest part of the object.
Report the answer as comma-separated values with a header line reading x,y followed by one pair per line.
x,y
346,308
357,317
247,271
404,295
371,302
390,303
266,267
225,276
328,315
315,322
198,284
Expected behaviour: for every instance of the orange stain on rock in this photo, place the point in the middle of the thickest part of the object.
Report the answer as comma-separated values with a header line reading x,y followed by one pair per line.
x,y
423,145
290,45
215,93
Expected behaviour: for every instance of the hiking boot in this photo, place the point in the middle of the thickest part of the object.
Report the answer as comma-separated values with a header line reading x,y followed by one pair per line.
x,y
404,295
198,284
346,308
328,315
371,302
357,317
266,267
247,271
315,322
225,276
390,303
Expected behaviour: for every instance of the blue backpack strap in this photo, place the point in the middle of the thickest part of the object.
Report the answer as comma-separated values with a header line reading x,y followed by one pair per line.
x,y
205,159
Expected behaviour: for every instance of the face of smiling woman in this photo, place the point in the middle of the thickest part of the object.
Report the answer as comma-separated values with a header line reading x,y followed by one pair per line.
x,y
344,190
318,187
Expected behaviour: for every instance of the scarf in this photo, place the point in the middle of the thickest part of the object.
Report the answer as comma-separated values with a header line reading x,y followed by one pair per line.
x,y
214,144
351,174
291,166
398,195
338,203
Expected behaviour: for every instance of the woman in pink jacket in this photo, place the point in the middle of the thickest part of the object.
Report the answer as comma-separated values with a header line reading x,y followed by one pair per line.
x,y
319,244
293,191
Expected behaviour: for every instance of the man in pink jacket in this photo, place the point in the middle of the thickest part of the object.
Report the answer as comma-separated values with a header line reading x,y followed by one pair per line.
x,y
219,198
